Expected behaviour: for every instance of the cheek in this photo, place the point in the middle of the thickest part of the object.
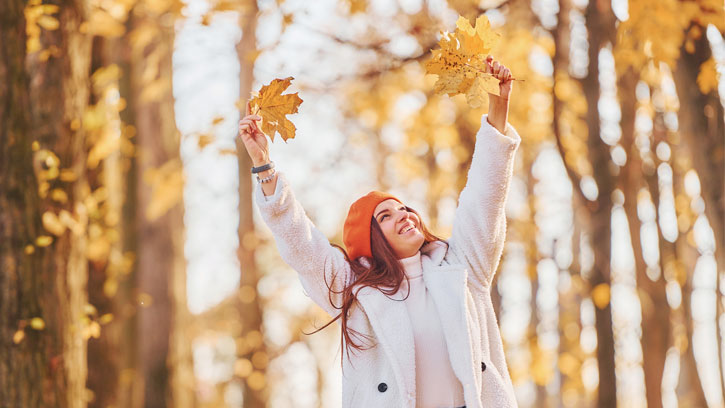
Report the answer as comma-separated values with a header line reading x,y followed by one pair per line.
x,y
389,232
415,218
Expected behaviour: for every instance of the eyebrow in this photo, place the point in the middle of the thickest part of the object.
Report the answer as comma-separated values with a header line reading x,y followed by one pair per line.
x,y
385,210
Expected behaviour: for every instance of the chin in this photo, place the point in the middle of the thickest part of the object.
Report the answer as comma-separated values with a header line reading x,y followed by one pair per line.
x,y
418,242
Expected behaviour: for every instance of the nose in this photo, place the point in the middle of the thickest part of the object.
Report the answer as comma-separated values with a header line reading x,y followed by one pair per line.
x,y
404,215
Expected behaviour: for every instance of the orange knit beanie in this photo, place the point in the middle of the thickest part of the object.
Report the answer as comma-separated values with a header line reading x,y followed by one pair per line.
x,y
356,231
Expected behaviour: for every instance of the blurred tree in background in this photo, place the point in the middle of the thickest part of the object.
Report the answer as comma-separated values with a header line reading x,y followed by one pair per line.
x,y
621,116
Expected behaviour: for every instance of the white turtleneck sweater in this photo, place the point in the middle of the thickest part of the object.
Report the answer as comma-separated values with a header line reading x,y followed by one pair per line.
x,y
435,382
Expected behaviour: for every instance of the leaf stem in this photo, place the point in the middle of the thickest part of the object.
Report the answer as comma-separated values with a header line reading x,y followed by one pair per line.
x,y
484,72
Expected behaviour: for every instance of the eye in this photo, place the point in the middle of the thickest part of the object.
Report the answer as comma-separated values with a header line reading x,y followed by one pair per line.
x,y
383,217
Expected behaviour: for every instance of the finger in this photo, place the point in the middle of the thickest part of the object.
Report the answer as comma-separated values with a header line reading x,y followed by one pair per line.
x,y
249,119
255,126
502,73
496,67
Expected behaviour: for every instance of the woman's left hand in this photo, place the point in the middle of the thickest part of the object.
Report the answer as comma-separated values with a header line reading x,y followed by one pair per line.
x,y
498,106
504,76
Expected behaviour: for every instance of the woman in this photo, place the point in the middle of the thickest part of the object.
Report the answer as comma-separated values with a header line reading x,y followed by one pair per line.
x,y
415,311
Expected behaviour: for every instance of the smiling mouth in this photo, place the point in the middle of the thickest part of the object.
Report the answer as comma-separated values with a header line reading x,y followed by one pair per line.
x,y
406,229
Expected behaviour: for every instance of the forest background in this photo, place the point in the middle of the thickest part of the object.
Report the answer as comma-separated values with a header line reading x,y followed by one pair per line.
x,y
134,270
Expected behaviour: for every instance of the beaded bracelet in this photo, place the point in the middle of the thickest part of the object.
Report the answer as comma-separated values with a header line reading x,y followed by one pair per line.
x,y
266,179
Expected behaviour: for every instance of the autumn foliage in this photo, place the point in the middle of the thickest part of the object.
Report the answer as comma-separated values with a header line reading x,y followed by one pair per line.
x,y
272,106
460,63
611,287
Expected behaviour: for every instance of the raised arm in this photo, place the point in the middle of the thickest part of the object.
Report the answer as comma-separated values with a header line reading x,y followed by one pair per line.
x,y
479,226
301,245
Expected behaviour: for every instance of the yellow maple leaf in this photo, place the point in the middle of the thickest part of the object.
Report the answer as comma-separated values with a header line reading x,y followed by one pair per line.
x,y
273,107
479,88
460,63
480,39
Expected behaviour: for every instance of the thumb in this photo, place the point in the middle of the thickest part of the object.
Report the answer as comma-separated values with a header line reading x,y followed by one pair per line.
x,y
489,67
247,111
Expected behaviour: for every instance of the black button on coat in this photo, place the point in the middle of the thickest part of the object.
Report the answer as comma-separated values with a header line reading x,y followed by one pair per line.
x,y
382,387
483,366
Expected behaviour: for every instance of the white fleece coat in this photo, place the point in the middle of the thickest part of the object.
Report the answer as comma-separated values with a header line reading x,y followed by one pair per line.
x,y
457,275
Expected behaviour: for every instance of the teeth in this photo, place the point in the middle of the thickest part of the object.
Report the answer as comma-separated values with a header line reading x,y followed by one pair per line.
x,y
407,229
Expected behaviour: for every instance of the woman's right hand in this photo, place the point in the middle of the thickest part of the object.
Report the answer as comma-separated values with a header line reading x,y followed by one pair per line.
x,y
255,141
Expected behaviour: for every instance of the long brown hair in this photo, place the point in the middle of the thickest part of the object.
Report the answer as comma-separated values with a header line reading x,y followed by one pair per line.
x,y
383,271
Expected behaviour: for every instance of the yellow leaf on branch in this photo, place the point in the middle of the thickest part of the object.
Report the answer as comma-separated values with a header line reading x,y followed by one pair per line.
x,y
37,323
273,107
601,295
460,63
52,224
167,187
707,79
48,22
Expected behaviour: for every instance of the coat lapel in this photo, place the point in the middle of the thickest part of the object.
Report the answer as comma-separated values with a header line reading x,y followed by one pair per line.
x,y
390,321
447,285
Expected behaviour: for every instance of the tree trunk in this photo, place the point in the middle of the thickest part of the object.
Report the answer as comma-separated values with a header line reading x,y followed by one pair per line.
x,y
111,286
163,357
23,366
685,257
598,16
703,131
42,281
570,353
532,261
653,298
255,386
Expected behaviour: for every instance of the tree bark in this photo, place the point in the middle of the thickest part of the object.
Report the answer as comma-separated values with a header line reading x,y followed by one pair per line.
x,y
652,294
164,358
111,357
600,24
255,387
41,101
703,131
683,259
22,366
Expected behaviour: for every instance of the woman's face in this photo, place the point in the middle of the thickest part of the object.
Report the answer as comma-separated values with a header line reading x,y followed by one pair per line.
x,y
400,227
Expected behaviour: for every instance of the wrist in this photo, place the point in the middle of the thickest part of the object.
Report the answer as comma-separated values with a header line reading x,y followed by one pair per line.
x,y
260,162
266,176
265,173
498,101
